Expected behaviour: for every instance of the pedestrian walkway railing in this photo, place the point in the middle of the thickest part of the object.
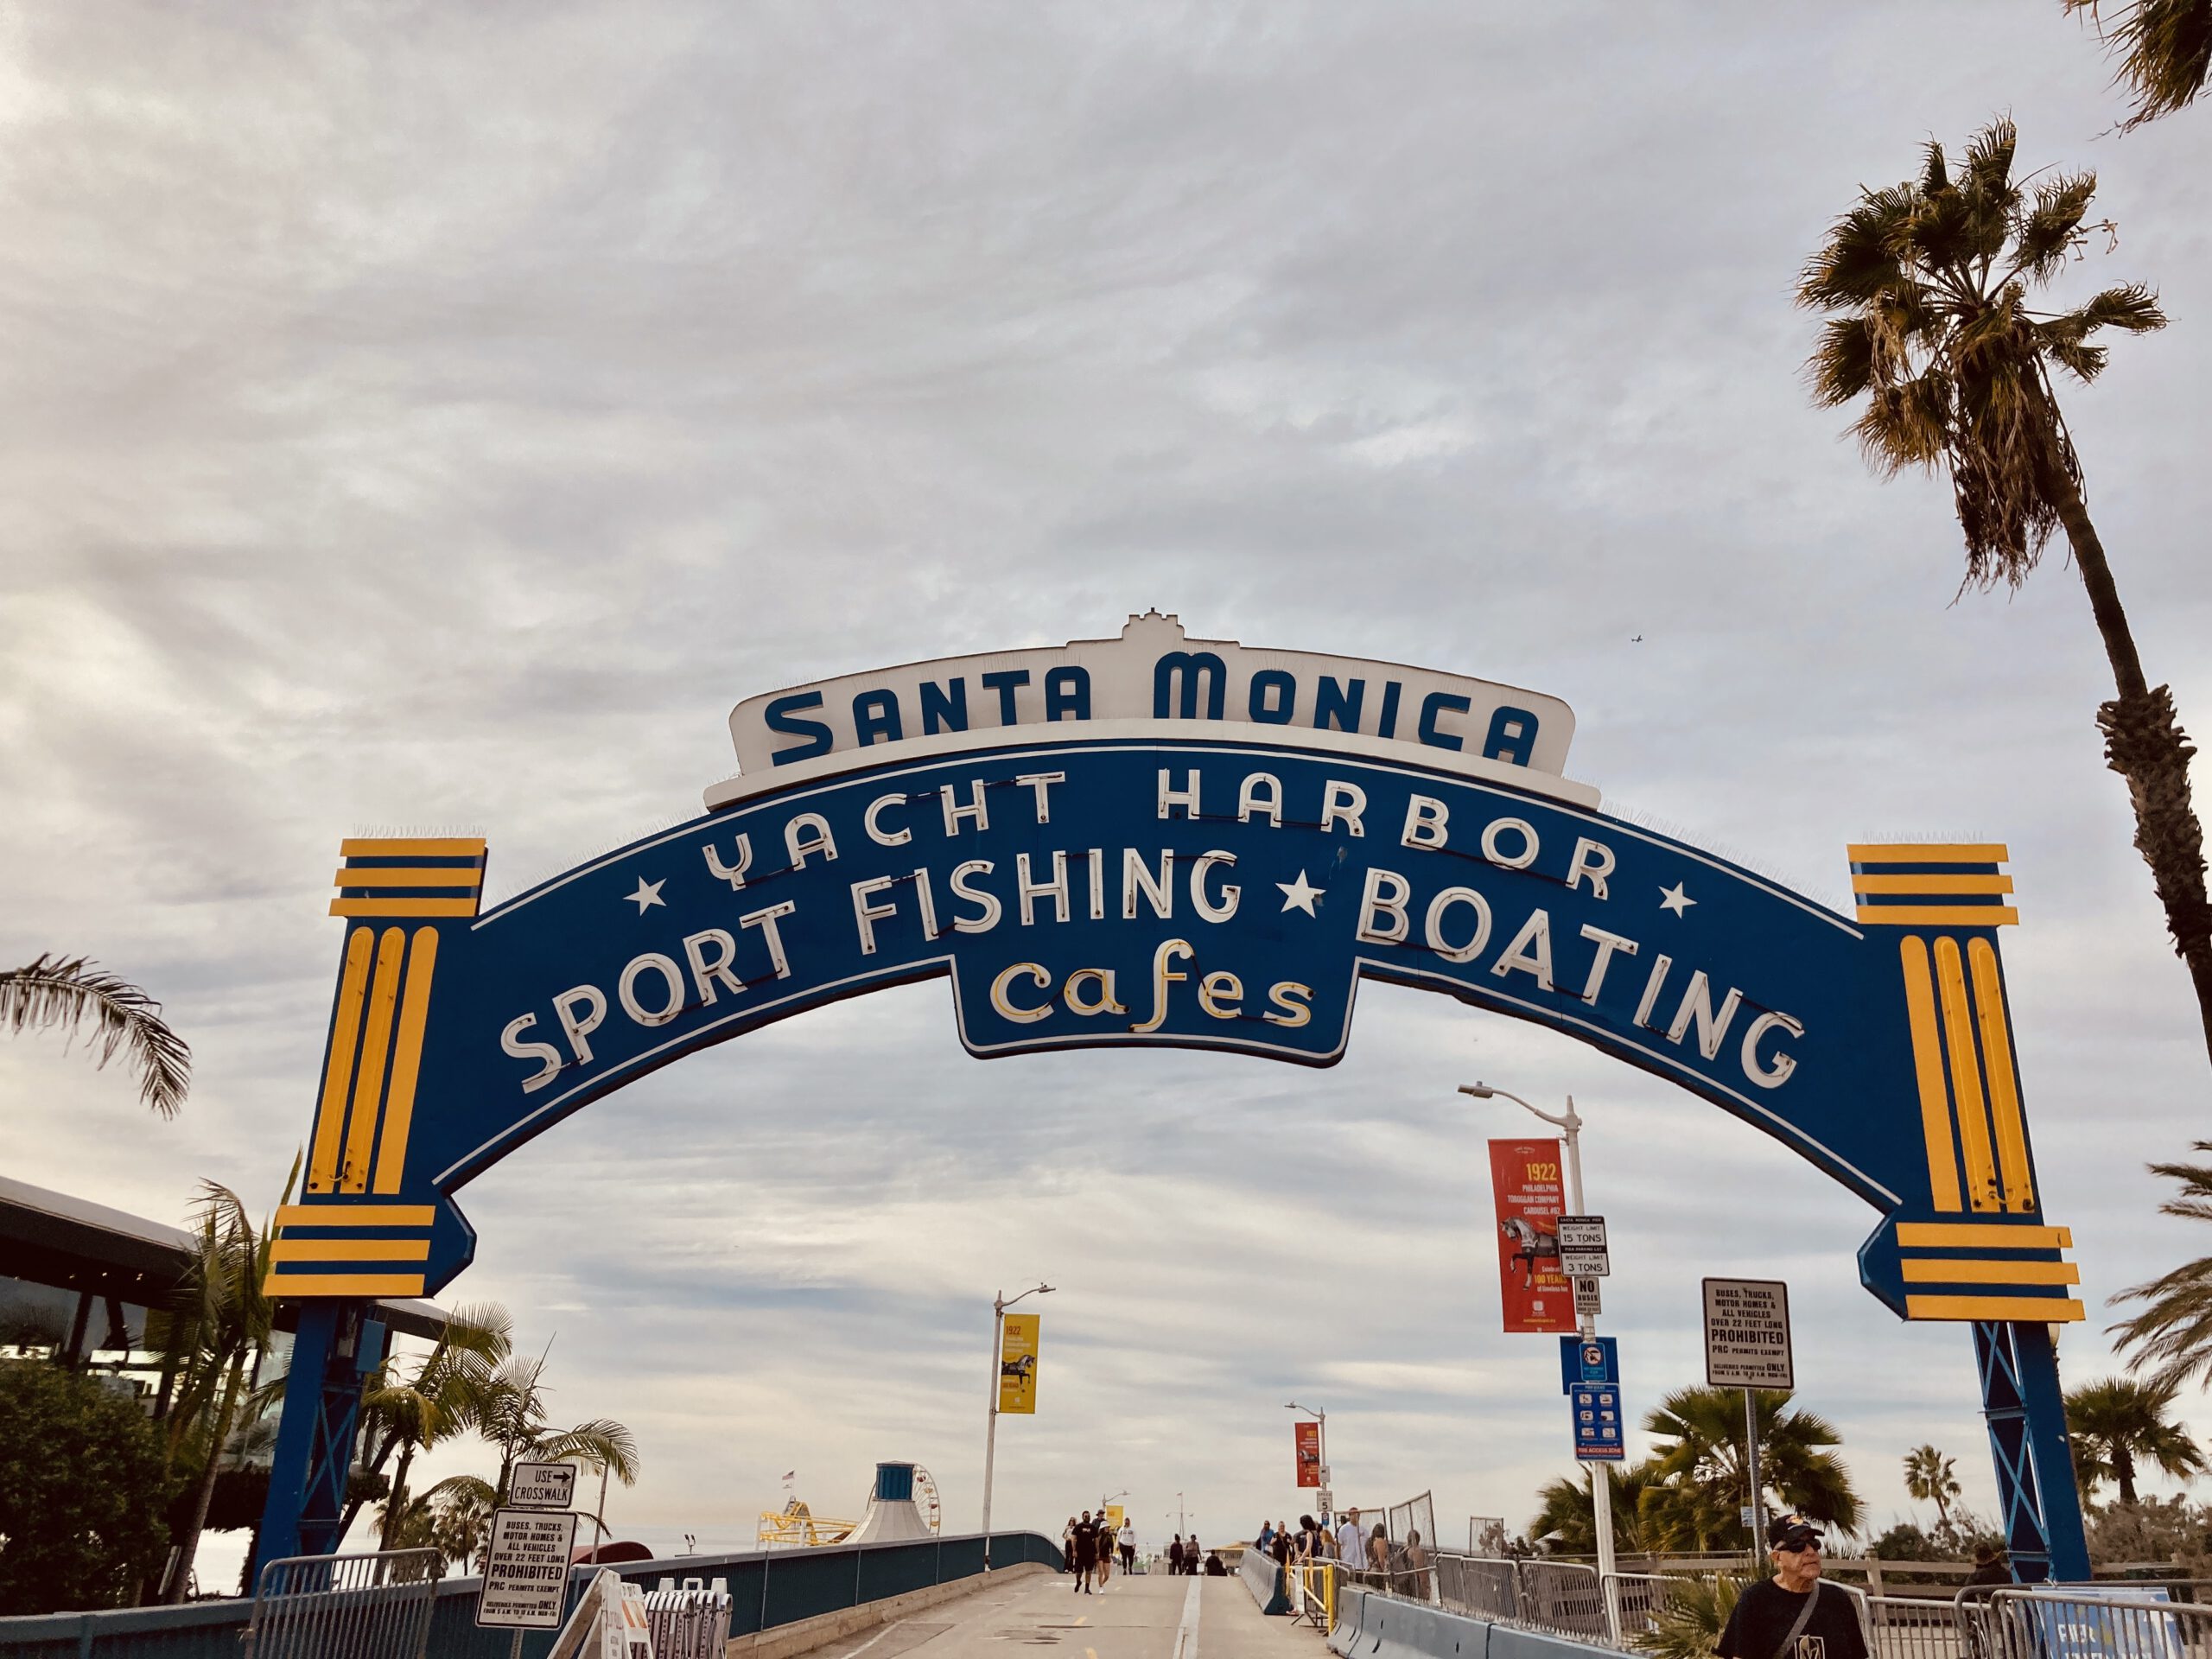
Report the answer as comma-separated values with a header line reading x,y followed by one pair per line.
x,y
1479,1586
768,1589
375,1606
2118,1622
1564,1598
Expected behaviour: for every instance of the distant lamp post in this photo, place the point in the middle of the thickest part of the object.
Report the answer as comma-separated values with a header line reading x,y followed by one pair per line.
x,y
1322,1418
999,1303
1601,1484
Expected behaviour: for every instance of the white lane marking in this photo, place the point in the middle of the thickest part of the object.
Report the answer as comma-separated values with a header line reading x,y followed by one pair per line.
x,y
873,1640
1187,1634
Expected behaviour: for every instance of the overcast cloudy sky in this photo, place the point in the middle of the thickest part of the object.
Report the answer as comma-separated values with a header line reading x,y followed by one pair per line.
x,y
420,415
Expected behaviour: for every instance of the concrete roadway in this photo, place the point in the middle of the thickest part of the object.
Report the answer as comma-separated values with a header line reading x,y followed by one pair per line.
x,y
1150,1617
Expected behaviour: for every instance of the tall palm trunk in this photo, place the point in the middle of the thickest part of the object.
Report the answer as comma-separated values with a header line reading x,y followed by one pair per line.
x,y
189,1546
2146,744
394,1504
2123,1469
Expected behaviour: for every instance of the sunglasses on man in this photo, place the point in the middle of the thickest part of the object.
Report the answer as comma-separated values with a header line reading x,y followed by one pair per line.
x,y
1798,1542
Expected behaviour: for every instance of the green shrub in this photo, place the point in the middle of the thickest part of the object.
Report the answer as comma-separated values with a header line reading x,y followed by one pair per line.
x,y
82,1492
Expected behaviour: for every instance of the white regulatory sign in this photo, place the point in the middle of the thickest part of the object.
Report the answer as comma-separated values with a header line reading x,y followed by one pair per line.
x,y
1747,1334
1582,1253
1586,1305
1582,1232
526,1574
541,1485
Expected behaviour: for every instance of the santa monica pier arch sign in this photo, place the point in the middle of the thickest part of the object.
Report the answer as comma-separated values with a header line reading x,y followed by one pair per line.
x,y
1158,840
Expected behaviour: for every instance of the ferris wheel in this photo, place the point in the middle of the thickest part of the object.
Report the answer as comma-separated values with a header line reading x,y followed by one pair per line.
x,y
925,1499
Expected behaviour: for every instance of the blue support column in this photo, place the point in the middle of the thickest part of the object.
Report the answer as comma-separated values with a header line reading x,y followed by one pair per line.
x,y
332,1352
2038,1505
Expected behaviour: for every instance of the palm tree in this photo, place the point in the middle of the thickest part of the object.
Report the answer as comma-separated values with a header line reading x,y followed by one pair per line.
x,y
409,1414
214,1332
2173,1333
2165,48
67,991
2114,1422
1565,1526
1700,1486
1929,1478
1688,1623
509,1410
1926,287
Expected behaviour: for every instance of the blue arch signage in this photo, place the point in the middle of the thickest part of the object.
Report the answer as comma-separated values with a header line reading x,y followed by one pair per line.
x,y
1167,841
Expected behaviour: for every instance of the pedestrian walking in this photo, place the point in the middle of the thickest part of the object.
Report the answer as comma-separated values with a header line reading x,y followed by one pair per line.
x,y
1351,1548
1175,1556
1067,1546
1126,1540
1086,1552
1792,1614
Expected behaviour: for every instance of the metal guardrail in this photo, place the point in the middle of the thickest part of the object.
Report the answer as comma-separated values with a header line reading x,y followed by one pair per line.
x,y
768,1589
375,1605
1563,1598
2026,1622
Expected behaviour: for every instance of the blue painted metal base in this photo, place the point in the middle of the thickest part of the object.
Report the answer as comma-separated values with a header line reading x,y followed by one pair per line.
x,y
2038,1505
334,1350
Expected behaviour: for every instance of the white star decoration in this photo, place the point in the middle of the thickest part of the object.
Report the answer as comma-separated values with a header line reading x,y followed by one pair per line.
x,y
647,895
1675,898
1299,895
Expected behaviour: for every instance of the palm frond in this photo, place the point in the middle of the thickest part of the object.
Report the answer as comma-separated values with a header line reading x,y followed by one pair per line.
x,y
2165,48
65,992
602,1442
2049,228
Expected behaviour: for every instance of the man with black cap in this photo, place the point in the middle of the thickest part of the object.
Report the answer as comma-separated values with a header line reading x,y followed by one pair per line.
x,y
1793,1615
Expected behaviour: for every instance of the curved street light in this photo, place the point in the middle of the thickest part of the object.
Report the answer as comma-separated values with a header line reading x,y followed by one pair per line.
x,y
999,1303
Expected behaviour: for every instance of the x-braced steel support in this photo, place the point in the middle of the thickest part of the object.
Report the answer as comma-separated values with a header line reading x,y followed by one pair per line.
x,y
334,1350
2038,1504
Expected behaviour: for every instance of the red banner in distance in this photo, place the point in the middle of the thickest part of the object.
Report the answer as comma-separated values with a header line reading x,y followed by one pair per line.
x,y
1308,1442
1525,1178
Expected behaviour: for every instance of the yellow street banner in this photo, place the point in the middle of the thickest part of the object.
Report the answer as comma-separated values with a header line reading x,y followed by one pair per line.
x,y
1018,1364
1115,1516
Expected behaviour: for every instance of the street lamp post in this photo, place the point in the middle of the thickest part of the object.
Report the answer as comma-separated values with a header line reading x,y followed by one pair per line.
x,y
1601,1482
1322,1418
999,1303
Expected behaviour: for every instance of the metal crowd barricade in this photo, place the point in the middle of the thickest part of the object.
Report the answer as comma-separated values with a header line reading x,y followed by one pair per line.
x,y
1479,1585
1641,1598
1312,1594
691,1622
1564,1598
2111,1621
1913,1627
374,1605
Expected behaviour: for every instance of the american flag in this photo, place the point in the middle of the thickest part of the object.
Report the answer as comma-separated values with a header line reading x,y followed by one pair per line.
x,y
790,1474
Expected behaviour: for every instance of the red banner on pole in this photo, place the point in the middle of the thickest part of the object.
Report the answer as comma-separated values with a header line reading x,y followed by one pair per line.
x,y
1536,1294
1308,1443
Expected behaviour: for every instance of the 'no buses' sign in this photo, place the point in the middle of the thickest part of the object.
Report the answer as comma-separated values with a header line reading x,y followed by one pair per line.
x,y
1747,1334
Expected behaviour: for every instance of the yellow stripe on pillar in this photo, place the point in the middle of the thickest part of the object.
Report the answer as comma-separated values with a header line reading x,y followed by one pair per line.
x,y
338,1071
2003,1085
1966,1079
407,1061
1928,1067
376,1050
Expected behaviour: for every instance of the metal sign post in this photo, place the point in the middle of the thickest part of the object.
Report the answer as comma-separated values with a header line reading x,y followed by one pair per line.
x,y
1747,1347
1013,1383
